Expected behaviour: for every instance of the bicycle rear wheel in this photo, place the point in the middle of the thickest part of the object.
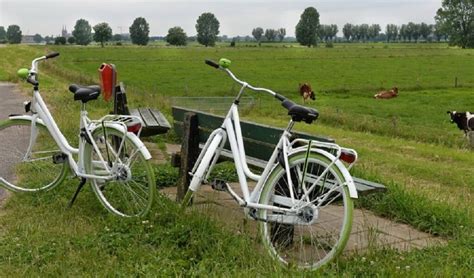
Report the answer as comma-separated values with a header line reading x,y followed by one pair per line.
x,y
26,163
319,230
131,192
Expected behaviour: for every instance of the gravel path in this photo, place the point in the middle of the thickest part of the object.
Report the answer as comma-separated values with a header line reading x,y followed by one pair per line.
x,y
11,102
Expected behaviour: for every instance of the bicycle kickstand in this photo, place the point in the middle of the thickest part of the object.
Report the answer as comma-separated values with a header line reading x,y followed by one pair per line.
x,y
79,188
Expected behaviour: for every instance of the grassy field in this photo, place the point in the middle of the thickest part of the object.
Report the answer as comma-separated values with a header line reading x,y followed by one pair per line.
x,y
345,79
406,143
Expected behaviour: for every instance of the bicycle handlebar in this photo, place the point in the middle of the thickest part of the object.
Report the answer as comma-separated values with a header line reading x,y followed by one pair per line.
x,y
212,64
52,55
34,63
243,83
33,71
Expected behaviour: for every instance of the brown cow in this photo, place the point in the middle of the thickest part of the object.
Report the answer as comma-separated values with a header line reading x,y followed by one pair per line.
x,y
306,92
387,94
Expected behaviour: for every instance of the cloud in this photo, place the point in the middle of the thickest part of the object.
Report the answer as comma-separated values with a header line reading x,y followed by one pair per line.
x,y
236,17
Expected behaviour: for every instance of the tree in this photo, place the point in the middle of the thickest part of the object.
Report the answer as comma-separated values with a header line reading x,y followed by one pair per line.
x,y
403,32
139,31
117,37
60,40
332,31
364,32
257,33
391,32
281,33
37,38
457,18
207,27
102,33
356,32
270,34
307,27
373,31
410,30
439,31
48,39
425,30
176,36
3,34
416,32
82,32
14,34
71,40
347,31
321,32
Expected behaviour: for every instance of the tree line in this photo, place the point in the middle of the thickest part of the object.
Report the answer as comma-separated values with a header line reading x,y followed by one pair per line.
x,y
454,22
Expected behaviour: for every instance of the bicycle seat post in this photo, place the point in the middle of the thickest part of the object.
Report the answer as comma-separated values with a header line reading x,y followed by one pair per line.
x,y
290,126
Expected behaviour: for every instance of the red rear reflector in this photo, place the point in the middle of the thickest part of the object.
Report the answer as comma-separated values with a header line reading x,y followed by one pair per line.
x,y
347,157
135,128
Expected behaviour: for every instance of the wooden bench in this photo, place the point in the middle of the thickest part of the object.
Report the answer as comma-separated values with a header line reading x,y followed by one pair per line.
x,y
153,120
259,141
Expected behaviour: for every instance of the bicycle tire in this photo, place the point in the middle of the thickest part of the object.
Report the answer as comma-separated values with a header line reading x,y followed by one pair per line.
x,y
131,194
28,171
307,245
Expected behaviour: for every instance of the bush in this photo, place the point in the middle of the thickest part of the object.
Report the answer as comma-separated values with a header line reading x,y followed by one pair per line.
x,y
166,175
329,45
60,40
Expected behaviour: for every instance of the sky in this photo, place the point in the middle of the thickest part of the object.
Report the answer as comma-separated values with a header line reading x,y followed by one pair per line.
x,y
47,17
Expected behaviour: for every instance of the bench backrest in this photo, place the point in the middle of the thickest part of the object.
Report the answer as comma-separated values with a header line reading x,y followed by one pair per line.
x,y
259,140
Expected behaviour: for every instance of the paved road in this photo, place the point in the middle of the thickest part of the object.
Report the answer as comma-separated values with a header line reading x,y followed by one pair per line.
x,y
11,102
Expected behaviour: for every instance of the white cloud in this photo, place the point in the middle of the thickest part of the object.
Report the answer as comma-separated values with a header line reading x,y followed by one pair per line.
x,y
236,17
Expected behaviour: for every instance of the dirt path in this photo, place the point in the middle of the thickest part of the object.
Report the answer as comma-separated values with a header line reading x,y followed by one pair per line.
x,y
11,102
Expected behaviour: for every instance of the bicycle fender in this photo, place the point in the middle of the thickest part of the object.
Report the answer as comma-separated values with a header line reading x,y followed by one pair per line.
x,y
130,135
25,118
347,176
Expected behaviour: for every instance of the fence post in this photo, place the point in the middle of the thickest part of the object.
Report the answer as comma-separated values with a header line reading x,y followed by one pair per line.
x,y
189,153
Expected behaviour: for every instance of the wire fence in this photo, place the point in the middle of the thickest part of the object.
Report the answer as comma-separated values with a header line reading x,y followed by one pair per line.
x,y
215,105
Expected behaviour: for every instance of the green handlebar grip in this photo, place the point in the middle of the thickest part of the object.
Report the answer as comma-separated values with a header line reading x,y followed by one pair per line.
x,y
225,63
23,73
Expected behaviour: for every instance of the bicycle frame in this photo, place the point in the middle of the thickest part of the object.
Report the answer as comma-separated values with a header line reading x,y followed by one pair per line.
x,y
41,115
231,130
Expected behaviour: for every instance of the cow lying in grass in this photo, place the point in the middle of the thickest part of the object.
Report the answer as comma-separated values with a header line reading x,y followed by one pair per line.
x,y
387,94
465,122
306,92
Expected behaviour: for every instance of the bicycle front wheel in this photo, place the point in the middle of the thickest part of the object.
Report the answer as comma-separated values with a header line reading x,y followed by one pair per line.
x,y
26,163
318,230
130,193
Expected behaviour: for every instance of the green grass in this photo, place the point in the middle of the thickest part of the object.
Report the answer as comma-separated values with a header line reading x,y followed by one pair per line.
x,y
406,143
345,79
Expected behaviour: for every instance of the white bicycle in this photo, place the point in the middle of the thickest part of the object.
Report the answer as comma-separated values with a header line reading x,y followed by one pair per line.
x,y
37,156
303,197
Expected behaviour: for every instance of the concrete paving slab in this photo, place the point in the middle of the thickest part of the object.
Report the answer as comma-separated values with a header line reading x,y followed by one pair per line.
x,y
368,230
157,156
172,148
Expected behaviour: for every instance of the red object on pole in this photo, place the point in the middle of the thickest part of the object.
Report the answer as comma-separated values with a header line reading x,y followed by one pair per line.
x,y
108,80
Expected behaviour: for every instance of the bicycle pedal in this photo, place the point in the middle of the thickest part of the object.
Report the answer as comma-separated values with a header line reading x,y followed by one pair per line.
x,y
59,158
219,185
